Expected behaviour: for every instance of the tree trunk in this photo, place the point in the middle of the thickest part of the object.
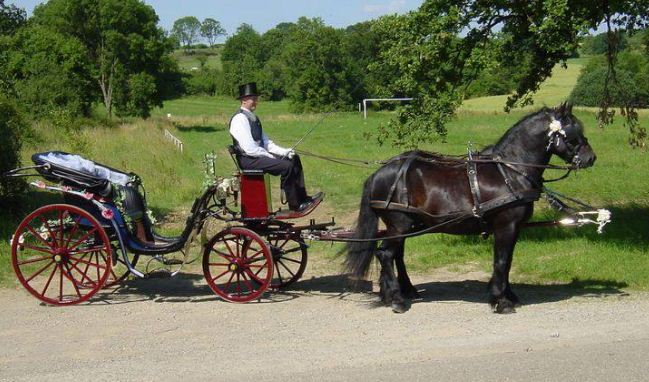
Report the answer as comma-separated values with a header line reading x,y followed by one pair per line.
x,y
106,85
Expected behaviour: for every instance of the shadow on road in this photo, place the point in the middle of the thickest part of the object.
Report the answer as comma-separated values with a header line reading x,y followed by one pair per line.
x,y
188,287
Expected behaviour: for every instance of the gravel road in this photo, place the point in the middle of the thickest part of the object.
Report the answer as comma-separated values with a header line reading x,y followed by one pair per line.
x,y
172,329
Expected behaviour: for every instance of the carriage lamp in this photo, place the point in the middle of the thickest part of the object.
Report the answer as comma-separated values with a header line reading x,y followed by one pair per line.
x,y
580,218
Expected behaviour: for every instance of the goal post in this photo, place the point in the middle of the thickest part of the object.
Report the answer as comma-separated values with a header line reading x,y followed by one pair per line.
x,y
366,100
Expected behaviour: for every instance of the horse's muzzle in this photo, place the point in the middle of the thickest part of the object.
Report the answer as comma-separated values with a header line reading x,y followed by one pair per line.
x,y
585,157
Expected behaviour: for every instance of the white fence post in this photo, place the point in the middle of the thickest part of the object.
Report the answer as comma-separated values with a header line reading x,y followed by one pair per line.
x,y
177,142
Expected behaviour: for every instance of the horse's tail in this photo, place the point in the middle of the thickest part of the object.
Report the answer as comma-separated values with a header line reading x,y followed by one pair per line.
x,y
359,253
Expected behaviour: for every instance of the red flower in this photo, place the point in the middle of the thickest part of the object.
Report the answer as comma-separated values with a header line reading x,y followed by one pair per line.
x,y
107,214
88,195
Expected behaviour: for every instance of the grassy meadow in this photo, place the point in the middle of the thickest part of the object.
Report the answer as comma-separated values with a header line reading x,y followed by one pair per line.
x,y
577,256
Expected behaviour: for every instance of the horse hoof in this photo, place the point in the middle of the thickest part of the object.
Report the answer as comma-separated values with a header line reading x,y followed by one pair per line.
x,y
505,308
399,308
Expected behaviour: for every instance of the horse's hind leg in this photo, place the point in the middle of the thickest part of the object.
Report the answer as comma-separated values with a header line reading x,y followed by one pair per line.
x,y
389,286
407,289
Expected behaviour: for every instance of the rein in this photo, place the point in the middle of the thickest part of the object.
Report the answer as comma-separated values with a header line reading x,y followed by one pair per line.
x,y
440,160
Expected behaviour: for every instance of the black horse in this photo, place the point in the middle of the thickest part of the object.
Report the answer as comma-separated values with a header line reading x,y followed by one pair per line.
x,y
491,192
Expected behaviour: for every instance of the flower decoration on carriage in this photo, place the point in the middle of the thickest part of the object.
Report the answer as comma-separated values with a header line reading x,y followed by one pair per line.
x,y
107,213
88,195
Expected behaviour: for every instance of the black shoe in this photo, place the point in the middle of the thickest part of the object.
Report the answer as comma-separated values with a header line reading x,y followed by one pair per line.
x,y
310,200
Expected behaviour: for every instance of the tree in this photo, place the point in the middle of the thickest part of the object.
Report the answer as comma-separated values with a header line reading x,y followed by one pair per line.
x,y
50,71
434,53
11,18
242,58
211,30
12,127
121,39
186,29
319,77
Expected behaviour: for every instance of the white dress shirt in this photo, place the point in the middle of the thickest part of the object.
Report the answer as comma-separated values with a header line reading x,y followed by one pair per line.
x,y
240,130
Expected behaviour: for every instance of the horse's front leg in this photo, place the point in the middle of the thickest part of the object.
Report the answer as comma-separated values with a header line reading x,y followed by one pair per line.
x,y
501,296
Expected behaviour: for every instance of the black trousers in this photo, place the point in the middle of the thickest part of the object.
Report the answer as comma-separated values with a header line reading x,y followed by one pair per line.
x,y
290,170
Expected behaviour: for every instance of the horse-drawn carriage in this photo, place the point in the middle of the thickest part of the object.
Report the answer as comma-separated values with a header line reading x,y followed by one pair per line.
x,y
65,253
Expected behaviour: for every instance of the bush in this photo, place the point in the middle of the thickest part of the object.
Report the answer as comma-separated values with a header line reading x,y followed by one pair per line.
x,y
589,90
12,128
202,82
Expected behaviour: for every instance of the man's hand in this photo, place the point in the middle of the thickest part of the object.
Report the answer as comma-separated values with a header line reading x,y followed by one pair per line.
x,y
290,154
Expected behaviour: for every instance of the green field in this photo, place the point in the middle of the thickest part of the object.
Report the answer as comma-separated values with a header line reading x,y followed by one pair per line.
x,y
619,257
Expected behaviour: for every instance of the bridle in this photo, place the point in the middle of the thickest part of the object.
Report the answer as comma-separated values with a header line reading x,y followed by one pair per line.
x,y
557,134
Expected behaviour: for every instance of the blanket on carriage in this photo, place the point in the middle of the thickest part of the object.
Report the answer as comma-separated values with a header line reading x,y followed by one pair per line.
x,y
76,171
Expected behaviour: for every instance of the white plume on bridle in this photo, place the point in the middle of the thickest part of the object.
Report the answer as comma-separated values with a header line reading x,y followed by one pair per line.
x,y
556,128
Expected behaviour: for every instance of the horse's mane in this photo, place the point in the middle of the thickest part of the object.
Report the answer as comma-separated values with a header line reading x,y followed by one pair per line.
x,y
485,152
514,130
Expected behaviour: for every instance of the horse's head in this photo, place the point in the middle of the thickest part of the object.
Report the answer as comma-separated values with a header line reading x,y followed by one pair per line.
x,y
566,138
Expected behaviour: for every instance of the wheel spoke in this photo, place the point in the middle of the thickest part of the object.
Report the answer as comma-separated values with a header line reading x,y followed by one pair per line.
x,y
39,237
291,250
35,248
49,228
49,280
89,250
98,266
34,260
292,260
219,264
74,230
248,284
232,254
39,271
72,280
220,275
83,238
285,267
223,254
85,276
61,283
238,284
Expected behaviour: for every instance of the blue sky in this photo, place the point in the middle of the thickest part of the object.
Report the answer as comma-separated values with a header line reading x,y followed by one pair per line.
x,y
265,14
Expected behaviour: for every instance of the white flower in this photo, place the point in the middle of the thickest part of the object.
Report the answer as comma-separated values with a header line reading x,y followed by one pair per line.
x,y
555,127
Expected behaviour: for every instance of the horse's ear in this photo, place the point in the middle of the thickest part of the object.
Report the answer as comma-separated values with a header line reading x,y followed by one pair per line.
x,y
562,109
569,107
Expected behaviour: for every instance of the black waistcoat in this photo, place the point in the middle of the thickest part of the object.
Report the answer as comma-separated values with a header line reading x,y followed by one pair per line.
x,y
255,128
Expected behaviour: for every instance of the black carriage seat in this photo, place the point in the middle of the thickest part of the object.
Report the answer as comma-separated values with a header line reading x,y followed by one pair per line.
x,y
76,171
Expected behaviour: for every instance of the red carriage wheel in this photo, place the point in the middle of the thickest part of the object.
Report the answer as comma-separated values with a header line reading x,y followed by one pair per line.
x,y
289,259
238,265
60,254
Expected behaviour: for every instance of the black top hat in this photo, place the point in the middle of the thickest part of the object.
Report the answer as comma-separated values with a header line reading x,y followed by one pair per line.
x,y
248,90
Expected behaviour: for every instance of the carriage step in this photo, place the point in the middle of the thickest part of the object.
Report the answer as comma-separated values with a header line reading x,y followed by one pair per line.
x,y
172,262
159,274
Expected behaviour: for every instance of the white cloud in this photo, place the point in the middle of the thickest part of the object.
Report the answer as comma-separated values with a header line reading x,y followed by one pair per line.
x,y
393,6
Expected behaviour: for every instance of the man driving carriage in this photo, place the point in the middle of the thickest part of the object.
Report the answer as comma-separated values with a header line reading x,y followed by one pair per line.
x,y
255,151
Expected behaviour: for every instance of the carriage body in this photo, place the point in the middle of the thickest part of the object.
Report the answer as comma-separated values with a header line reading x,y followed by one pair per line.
x,y
65,253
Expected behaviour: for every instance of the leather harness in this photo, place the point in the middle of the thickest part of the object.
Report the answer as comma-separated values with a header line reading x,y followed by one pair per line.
x,y
480,208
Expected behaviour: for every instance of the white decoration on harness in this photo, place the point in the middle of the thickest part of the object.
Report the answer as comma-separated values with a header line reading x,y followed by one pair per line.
x,y
556,128
603,218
